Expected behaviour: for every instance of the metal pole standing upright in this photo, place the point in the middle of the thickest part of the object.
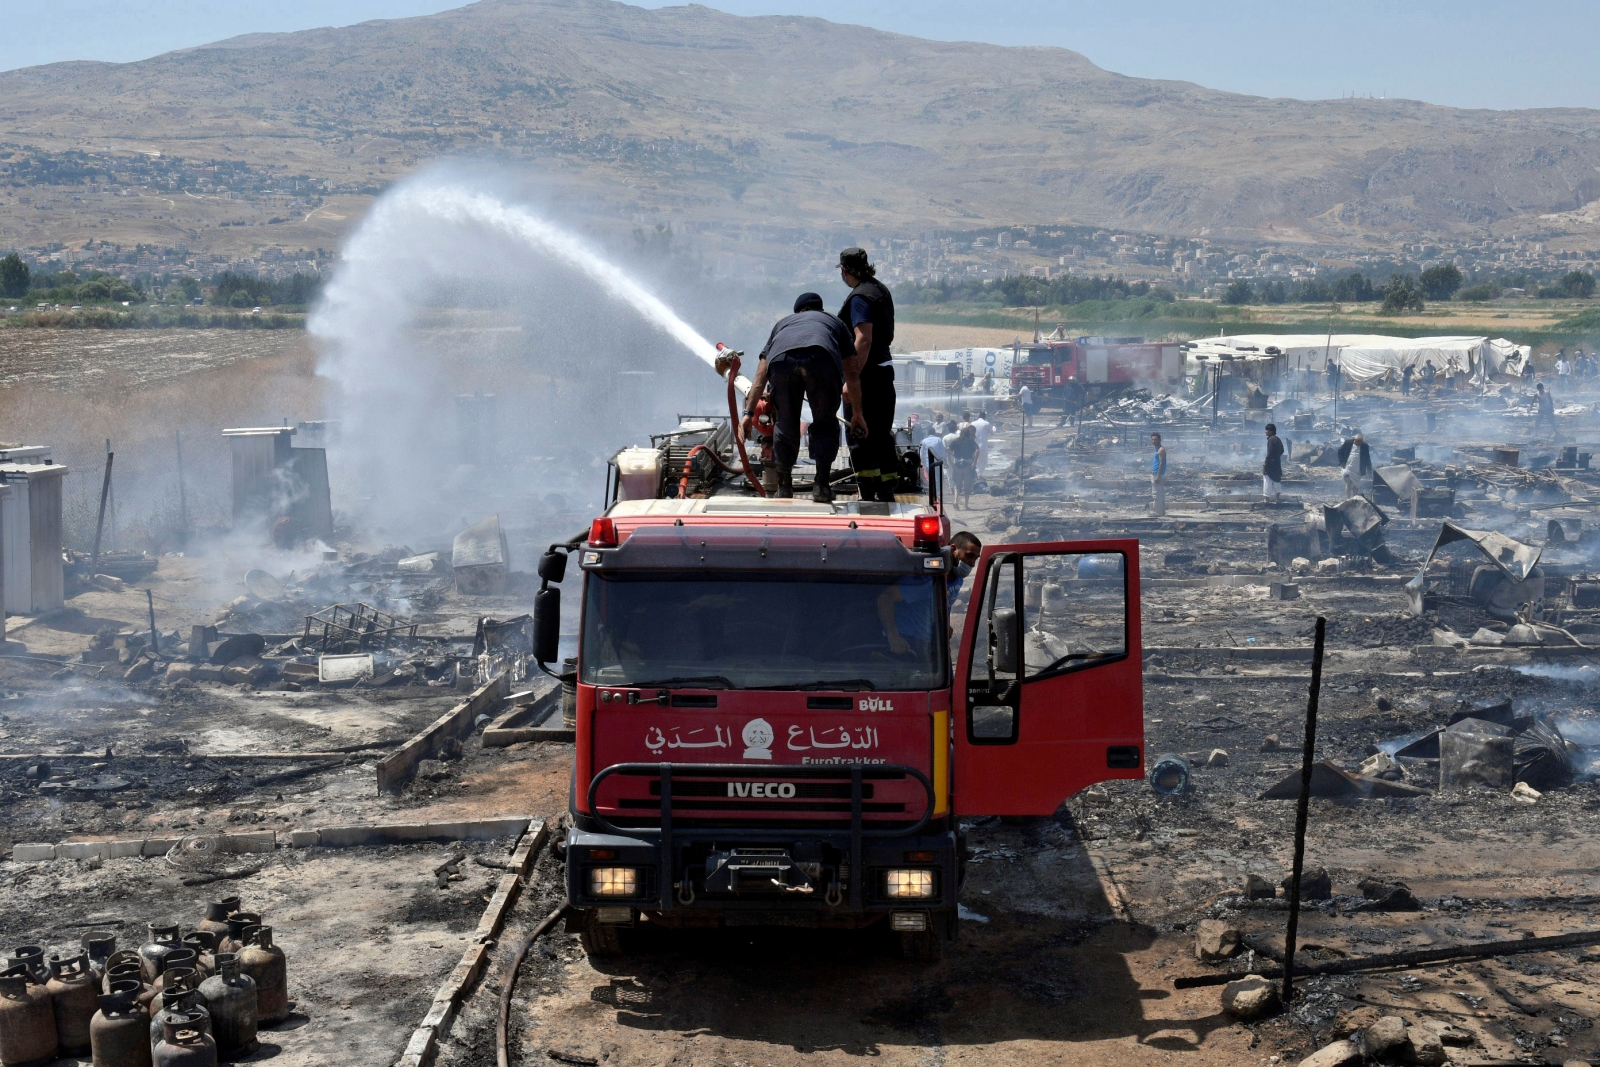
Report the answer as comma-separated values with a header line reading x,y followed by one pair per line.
x,y
1302,812
155,637
112,509
99,525
1022,477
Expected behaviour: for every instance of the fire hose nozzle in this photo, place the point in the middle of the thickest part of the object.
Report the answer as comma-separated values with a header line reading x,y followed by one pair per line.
x,y
726,357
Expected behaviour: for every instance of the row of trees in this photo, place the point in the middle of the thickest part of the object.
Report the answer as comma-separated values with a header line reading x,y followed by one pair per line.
x,y
1402,292
1027,291
232,290
63,287
246,291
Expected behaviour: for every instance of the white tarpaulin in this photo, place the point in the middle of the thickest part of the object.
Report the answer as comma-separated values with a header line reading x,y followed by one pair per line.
x,y
1297,351
1387,362
1365,358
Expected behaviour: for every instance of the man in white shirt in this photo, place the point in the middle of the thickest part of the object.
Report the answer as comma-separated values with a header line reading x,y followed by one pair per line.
x,y
984,428
932,447
1025,401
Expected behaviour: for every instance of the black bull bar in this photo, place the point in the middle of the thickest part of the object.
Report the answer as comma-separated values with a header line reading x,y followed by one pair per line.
x,y
857,773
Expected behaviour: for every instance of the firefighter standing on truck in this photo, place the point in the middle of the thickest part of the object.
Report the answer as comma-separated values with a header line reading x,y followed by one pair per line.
x,y
804,361
869,313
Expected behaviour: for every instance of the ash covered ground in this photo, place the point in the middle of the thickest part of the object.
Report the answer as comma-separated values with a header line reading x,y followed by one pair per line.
x,y
1076,923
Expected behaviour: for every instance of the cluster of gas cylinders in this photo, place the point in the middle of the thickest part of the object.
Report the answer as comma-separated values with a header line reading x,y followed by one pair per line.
x,y
180,999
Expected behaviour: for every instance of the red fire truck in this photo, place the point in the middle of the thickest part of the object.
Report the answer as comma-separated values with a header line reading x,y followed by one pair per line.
x,y
776,727
1068,374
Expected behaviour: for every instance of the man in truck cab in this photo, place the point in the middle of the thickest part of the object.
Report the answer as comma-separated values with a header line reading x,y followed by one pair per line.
x,y
902,608
804,360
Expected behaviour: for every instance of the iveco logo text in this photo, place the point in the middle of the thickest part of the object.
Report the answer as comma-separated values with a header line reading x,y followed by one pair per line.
x,y
774,790
876,704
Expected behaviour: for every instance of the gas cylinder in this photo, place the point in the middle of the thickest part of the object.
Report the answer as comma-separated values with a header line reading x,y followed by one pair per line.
x,y
238,923
100,945
266,964
164,940
122,959
119,1034
74,996
217,912
230,997
129,971
184,1007
177,980
184,1047
179,962
27,1022
204,945
31,957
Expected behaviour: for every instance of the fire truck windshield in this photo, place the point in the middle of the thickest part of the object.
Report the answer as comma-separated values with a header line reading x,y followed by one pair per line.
x,y
877,632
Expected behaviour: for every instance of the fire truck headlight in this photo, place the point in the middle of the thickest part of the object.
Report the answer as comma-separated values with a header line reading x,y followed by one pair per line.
x,y
614,881
909,885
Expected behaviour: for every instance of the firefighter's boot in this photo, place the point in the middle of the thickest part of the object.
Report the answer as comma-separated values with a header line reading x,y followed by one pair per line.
x,y
822,489
785,483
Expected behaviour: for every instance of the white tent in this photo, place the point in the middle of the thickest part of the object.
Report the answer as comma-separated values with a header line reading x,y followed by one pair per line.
x,y
1367,358
1473,356
1296,351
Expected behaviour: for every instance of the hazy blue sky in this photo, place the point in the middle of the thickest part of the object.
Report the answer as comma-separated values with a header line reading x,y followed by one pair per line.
x,y
1470,53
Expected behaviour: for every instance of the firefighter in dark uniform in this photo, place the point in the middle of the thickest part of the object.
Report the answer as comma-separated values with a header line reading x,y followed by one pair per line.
x,y
868,312
803,362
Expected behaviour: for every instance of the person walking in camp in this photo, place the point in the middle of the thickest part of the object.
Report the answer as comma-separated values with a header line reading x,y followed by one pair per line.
x,y
1025,402
964,463
1429,373
1405,381
1158,476
1546,409
1355,462
984,429
1272,466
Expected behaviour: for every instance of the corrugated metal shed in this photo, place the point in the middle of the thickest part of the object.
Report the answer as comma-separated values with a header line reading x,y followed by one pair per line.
x,y
30,537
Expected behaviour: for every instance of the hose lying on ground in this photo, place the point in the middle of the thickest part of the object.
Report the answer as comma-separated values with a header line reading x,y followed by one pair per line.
x,y
502,1056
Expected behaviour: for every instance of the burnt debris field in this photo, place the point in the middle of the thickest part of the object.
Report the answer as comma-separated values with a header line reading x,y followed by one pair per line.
x,y
351,740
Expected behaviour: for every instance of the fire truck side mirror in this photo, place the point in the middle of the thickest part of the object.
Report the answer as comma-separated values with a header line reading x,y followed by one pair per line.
x,y
553,566
546,624
1005,637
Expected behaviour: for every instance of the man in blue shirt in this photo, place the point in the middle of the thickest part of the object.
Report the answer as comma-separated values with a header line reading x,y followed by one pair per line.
x,y
964,551
1158,476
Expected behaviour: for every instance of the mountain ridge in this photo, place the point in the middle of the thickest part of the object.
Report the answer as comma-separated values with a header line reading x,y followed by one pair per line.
x,y
797,121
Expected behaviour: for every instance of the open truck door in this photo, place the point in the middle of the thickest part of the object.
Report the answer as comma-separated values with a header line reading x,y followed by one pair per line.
x,y
1048,693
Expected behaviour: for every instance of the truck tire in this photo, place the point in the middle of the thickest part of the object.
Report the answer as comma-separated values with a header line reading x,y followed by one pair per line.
x,y
606,940
924,946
